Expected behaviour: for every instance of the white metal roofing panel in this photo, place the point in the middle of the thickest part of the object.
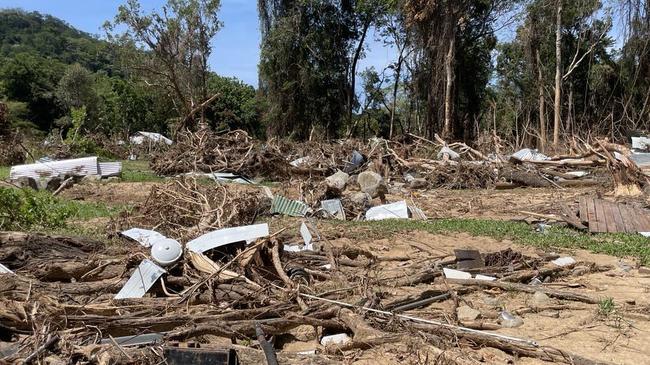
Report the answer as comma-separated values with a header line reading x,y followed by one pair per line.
x,y
640,143
139,138
226,236
388,211
142,279
110,168
145,237
78,166
527,154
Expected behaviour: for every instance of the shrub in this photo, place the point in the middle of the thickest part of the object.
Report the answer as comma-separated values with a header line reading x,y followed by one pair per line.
x,y
26,208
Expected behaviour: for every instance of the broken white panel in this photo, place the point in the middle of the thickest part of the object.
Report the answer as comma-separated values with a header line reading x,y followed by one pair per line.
x,y
306,237
564,261
227,236
338,339
142,279
484,277
145,237
640,143
78,167
456,274
645,234
5,270
226,177
334,208
141,137
397,210
108,169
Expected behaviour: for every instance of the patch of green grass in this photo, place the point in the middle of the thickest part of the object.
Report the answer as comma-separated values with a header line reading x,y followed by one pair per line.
x,y
615,244
4,172
138,171
606,307
82,210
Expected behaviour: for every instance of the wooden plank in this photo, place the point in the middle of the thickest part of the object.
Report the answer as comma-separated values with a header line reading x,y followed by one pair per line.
x,y
593,221
583,212
601,223
628,219
608,210
618,219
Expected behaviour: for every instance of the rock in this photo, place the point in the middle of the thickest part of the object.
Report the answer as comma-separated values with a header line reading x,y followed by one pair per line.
x,y
53,183
373,184
90,179
418,183
113,179
467,314
644,270
540,299
26,182
304,333
337,181
361,199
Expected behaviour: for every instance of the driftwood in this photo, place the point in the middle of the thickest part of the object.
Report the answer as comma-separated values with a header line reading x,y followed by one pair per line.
x,y
527,289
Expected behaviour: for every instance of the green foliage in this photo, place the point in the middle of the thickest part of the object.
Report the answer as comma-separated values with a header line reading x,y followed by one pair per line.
x,y
606,307
138,171
237,106
26,208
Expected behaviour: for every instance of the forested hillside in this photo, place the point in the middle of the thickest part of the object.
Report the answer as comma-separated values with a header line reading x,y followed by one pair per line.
x,y
48,69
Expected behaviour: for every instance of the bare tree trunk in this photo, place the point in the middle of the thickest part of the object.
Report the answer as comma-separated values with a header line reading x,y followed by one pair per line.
x,y
398,70
558,75
542,111
353,71
449,71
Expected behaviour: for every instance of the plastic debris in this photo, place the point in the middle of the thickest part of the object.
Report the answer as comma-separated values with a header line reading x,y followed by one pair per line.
x,y
166,251
334,208
456,274
508,320
227,236
142,279
528,154
307,238
453,155
484,277
338,339
564,261
140,137
355,162
145,237
5,270
397,210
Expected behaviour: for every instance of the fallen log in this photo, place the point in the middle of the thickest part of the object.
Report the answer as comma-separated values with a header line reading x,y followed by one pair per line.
x,y
527,289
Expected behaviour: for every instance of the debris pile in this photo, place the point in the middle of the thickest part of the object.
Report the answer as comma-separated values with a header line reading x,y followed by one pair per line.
x,y
242,292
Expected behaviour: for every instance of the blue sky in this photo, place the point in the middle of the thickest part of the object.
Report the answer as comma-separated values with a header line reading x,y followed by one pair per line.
x,y
235,48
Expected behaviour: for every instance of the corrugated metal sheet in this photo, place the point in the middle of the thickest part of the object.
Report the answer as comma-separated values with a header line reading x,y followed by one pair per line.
x,y
527,154
226,236
5,270
334,208
294,208
388,211
145,237
79,166
641,159
107,169
142,279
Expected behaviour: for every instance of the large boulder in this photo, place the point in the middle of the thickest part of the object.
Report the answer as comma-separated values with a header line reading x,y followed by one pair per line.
x,y
373,184
336,183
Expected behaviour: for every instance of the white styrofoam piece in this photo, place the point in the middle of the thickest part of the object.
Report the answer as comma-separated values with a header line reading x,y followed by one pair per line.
x,y
227,236
456,274
142,279
5,270
564,261
484,277
337,339
145,237
577,173
388,211
78,166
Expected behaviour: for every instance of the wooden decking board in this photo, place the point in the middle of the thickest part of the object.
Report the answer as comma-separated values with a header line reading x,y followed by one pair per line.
x,y
605,216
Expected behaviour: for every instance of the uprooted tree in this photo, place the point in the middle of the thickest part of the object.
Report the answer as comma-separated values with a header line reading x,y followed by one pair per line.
x,y
169,49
